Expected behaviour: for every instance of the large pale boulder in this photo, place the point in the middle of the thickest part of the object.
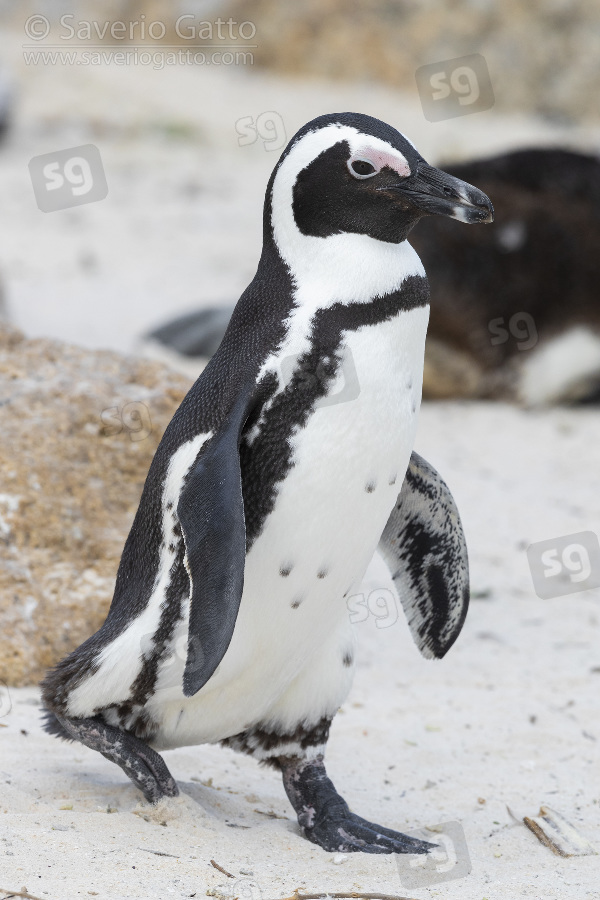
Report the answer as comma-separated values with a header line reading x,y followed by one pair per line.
x,y
79,429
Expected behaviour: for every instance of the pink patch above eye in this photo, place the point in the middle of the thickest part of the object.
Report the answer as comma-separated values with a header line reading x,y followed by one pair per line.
x,y
380,158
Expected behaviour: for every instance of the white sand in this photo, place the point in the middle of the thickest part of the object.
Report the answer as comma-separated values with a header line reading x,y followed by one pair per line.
x,y
417,742
511,716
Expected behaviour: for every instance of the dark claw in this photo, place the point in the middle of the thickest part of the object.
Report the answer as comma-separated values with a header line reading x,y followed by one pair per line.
x,y
409,844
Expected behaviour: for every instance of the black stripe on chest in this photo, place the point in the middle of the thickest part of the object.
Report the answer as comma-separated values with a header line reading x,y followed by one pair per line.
x,y
267,459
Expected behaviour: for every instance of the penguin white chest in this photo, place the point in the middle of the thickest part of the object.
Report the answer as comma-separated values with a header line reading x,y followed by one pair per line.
x,y
348,464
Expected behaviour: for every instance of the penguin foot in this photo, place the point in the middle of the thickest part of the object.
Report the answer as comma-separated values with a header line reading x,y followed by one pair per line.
x,y
146,769
326,819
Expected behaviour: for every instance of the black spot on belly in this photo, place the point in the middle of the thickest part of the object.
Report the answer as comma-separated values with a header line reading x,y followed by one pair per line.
x,y
296,602
348,658
370,487
169,506
285,570
322,573
393,479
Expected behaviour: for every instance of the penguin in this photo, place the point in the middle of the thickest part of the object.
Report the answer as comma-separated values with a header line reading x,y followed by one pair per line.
x,y
272,488
187,342
517,303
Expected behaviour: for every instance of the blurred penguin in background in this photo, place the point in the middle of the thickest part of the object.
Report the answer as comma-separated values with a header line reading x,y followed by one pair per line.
x,y
515,314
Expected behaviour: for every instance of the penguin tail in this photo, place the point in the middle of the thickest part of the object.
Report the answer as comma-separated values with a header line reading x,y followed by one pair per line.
x,y
52,725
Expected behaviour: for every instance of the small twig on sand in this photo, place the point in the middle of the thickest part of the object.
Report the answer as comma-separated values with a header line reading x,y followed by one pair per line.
x,y
343,895
158,852
221,869
270,814
17,894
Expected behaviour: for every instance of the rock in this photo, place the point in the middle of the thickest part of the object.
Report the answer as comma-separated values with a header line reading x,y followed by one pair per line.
x,y
547,48
79,430
450,373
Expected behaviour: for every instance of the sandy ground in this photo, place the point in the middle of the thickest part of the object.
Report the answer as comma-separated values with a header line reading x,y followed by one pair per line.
x,y
511,716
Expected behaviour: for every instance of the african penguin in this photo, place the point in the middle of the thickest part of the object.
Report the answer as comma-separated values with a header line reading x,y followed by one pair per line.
x,y
517,302
187,342
266,498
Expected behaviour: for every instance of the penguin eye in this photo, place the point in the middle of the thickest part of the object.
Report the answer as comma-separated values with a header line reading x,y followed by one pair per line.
x,y
361,168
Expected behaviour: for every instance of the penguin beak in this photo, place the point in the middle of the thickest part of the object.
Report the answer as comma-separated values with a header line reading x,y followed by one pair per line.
x,y
435,192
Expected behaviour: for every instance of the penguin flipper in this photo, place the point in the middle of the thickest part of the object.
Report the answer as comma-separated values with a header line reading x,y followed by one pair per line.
x,y
211,513
424,547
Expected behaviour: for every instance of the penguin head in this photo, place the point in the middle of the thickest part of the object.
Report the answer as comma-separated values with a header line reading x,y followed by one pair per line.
x,y
350,173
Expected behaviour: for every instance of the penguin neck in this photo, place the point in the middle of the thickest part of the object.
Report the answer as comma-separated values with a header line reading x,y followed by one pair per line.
x,y
340,268
337,284
345,268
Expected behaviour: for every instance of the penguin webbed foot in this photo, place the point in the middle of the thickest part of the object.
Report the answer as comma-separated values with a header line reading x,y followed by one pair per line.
x,y
326,819
350,833
144,766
